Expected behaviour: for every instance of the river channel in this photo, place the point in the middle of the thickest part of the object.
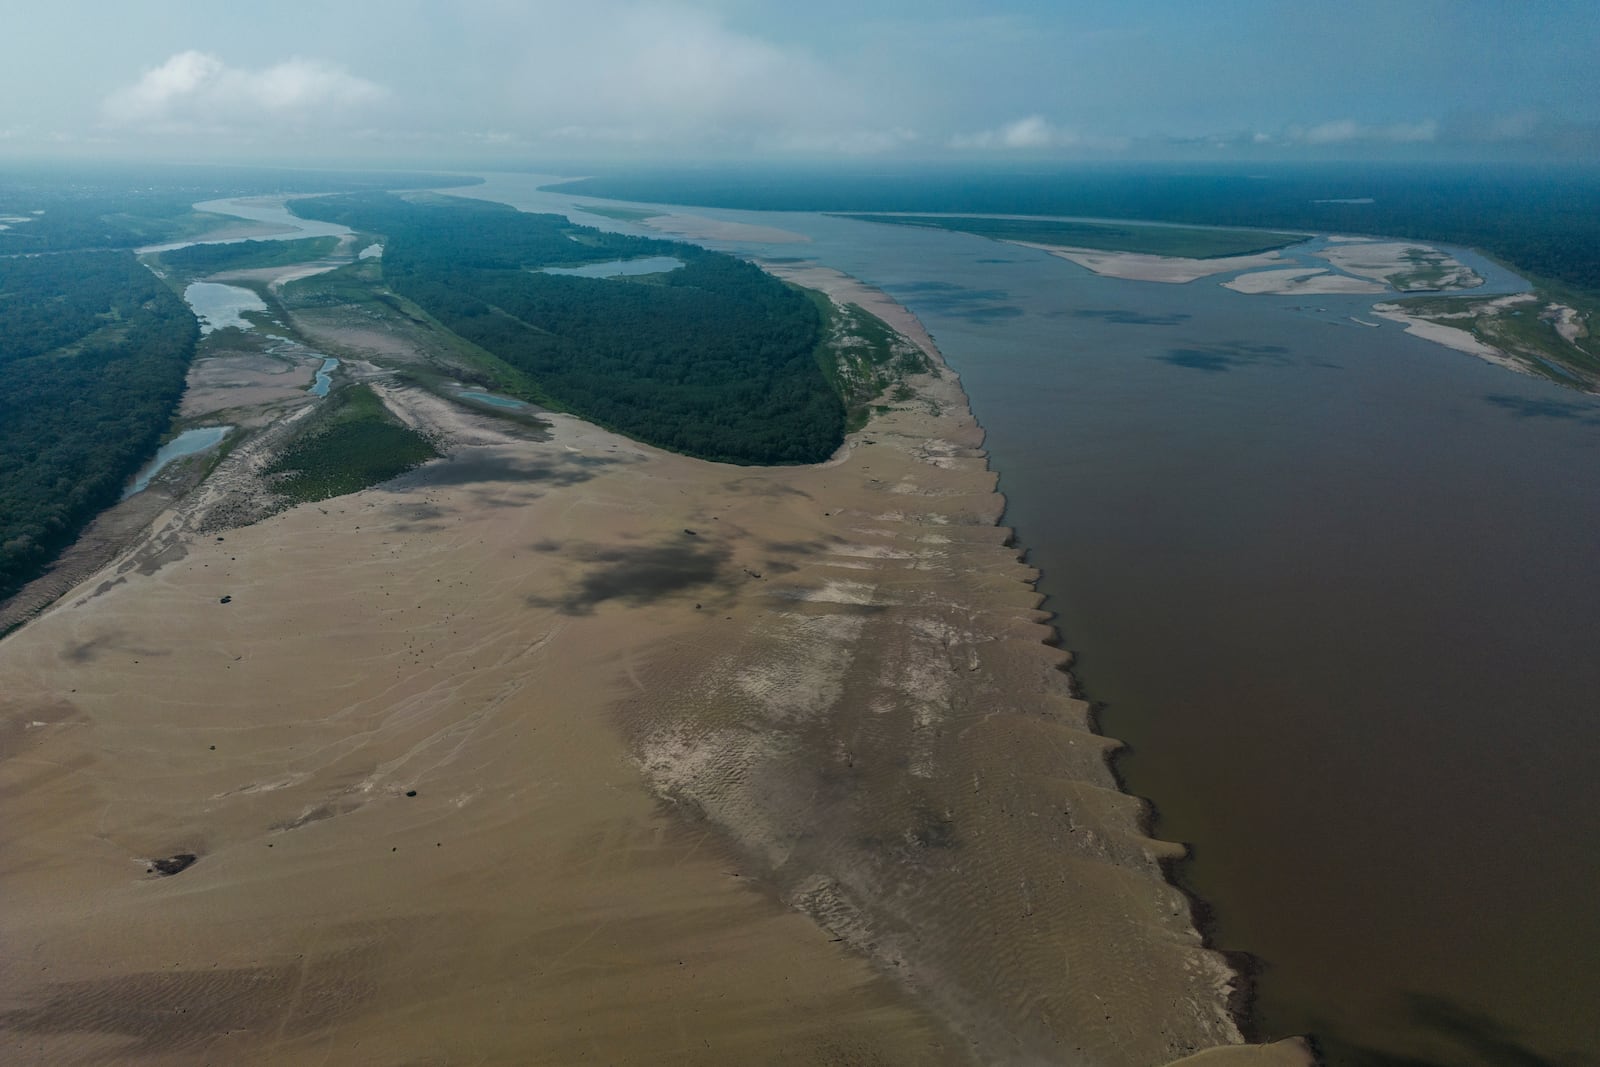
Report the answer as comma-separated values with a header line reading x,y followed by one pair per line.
x,y
1337,587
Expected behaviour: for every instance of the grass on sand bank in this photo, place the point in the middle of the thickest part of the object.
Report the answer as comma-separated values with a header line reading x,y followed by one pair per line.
x,y
355,443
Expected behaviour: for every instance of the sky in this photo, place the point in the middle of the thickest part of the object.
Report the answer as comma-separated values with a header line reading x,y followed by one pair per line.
x,y
476,82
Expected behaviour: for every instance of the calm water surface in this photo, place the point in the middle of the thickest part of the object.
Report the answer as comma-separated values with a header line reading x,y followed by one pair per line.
x,y
187,443
323,380
1338,588
495,400
619,268
221,306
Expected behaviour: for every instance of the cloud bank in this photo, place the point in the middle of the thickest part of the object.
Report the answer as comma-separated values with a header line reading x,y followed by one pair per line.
x,y
197,90
528,81
1033,132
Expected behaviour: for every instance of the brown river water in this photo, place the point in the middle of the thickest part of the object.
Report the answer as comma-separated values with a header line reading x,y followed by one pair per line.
x,y
1339,590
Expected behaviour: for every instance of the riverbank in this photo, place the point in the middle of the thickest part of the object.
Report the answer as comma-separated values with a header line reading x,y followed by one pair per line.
x,y
615,736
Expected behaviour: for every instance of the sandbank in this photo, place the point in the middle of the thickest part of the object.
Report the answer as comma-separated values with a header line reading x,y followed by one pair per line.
x,y
1404,265
569,749
701,228
1308,280
843,289
1450,336
1137,266
1567,321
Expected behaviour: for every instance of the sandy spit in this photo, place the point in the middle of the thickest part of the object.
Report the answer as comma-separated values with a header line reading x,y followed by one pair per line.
x,y
701,228
1454,337
1389,262
1139,267
572,750
1299,280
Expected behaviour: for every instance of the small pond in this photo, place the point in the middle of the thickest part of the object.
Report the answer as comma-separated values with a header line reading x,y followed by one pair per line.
x,y
187,443
619,268
221,306
491,398
324,379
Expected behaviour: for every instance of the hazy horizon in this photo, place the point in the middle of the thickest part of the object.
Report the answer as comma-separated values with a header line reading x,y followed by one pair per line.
x,y
486,84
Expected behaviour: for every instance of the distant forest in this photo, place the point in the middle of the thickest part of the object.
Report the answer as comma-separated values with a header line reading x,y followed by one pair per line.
x,y
199,260
716,359
93,355
1542,220
114,207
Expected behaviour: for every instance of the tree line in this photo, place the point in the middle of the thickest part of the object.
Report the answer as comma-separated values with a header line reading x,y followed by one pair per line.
x,y
94,351
715,359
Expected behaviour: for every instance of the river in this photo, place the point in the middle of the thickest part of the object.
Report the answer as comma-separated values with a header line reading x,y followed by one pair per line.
x,y
1336,586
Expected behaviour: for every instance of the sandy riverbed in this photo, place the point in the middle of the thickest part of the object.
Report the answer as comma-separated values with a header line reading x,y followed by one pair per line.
x,y
1300,280
701,228
1140,267
710,765
1402,264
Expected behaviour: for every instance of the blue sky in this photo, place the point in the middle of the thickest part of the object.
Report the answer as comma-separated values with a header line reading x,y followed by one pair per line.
x,y
675,80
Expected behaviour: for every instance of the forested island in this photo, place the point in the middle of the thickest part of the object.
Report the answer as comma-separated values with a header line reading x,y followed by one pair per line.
x,y
93,353
716,359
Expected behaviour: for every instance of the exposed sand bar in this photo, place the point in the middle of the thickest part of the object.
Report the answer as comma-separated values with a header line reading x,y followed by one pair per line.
x,y
701,228
712,765
1454,337
1402,264
1140,267
843,289
1297,280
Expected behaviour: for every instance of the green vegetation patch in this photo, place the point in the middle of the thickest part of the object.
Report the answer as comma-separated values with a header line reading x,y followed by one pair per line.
x,y
354,297
715,359
200,260
354,444
93,355
113,207
862,356
625,214
1185,241
1526,330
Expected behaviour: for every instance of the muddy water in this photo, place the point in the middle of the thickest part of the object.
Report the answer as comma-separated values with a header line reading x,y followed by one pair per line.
x,y
1339,589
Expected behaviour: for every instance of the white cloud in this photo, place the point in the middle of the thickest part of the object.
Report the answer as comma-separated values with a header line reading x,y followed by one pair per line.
x,y
647,73
1032,132
1346,131
197,90
849,142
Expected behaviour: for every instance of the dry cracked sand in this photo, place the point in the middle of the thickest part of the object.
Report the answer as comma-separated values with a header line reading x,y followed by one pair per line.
x,y
575,751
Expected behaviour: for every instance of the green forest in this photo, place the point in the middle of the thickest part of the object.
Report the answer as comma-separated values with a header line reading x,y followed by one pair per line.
x,y
93,355
200,260
120,206
716,359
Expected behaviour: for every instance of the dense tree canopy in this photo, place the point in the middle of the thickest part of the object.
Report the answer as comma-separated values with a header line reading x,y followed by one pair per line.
x,y
93,355
716,359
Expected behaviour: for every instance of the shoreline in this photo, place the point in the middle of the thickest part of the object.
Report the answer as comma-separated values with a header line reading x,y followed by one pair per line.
x,y
584,669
